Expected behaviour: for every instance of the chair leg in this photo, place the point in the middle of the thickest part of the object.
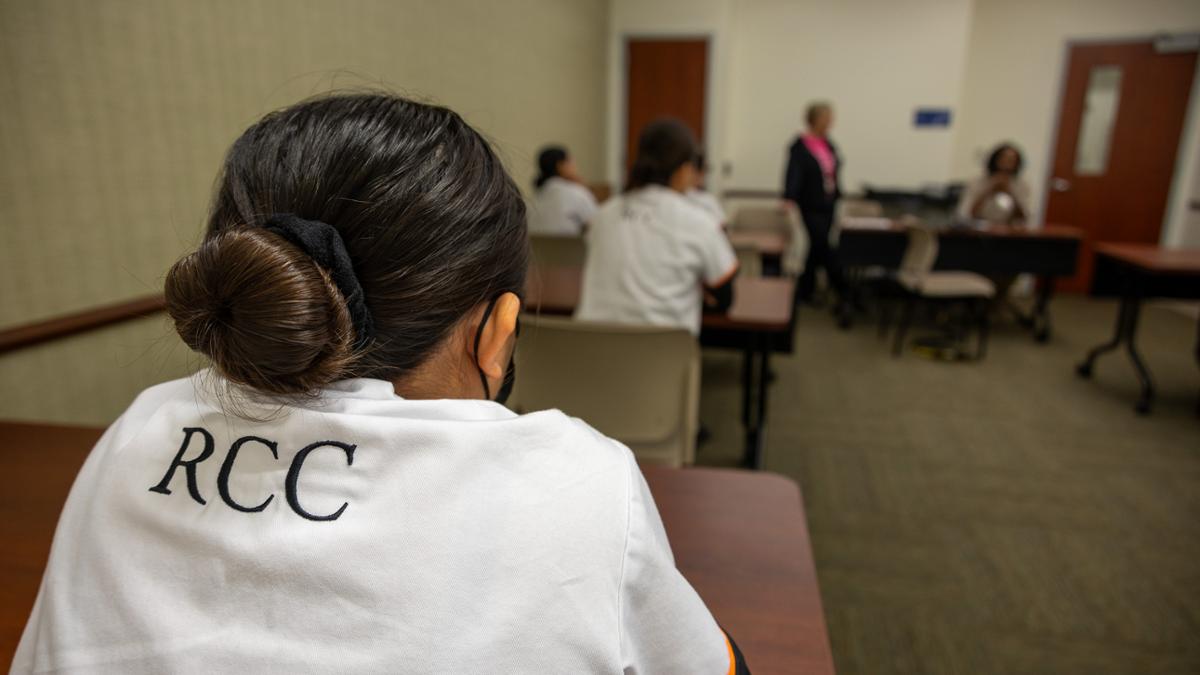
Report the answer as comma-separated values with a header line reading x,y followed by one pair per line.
x,y
885,316
984,326
906,317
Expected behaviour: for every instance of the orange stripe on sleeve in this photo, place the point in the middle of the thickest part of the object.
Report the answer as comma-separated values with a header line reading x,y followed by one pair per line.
x,y
732,661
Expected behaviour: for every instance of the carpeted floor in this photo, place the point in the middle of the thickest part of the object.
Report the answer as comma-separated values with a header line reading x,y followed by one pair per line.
x,y
994,517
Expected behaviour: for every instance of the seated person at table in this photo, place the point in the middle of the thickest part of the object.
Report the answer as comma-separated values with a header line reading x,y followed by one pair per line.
x,y
1001,195
562,205
700,195
343,491
653,256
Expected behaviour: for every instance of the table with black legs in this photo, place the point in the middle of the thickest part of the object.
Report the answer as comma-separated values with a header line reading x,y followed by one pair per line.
x,y
1047,252
1135,273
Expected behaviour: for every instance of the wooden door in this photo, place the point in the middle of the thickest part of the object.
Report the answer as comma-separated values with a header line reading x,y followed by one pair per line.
x,y
1122,111
665,78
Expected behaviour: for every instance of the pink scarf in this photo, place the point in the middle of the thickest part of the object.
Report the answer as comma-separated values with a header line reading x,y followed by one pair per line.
x,y
819,148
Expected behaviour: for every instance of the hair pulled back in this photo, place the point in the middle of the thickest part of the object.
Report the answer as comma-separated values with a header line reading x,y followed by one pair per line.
x,y
432,223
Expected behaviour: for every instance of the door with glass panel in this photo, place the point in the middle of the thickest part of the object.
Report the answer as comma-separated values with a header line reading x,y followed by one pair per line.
x,y
1120,119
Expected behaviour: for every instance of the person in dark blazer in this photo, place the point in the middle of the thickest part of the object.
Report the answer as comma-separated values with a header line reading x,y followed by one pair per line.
x,y
811,183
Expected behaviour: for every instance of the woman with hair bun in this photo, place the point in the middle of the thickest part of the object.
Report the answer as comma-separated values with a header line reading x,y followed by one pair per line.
x,y
342,490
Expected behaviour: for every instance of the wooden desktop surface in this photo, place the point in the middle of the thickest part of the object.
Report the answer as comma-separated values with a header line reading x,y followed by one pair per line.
x,y
1048,231
739,537
759,303
1154,259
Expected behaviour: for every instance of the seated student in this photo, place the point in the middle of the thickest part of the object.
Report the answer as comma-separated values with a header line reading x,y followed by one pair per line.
x,y
340,492
561,205
1001,195
654,257
700,195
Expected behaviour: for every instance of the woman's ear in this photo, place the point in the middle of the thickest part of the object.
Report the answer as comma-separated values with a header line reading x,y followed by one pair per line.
x,y
497,337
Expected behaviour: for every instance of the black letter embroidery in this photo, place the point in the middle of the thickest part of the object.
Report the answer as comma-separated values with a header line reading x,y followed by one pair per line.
x,y
293,477
189,466
227,468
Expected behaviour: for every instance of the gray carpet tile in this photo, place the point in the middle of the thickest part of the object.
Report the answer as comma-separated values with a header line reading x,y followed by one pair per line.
x,y
998,517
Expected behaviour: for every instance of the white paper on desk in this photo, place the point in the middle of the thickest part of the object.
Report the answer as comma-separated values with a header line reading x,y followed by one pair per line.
x,y
867,223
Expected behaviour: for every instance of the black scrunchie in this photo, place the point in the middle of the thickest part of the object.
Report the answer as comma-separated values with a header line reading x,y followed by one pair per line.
x,y
323,243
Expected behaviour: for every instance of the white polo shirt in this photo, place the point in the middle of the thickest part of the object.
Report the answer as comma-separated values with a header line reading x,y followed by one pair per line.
x,y
649,253
561,207
361,533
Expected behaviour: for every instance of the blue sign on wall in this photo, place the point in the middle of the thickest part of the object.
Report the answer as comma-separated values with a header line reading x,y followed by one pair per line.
x,y
931,117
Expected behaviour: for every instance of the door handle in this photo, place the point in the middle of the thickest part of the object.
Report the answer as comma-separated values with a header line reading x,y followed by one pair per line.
x,y
1060,184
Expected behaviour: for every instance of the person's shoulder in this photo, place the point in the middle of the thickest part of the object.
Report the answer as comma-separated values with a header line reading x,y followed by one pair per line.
x,y
685,211
182,389
573,443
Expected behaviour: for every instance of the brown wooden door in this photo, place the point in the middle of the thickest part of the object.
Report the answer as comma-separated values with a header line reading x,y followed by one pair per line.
x,y
1122,112
665,78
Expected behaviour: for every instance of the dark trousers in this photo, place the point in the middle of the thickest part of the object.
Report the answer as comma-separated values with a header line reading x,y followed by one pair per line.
x,y
820,254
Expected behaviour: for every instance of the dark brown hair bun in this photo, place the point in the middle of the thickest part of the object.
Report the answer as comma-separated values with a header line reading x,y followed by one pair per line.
x,y
262,311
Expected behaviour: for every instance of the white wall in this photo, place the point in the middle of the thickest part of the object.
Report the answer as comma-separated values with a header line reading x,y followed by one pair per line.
x,y
876,61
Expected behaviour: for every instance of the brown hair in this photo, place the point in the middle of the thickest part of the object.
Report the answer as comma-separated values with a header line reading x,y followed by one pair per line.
x,y
433,224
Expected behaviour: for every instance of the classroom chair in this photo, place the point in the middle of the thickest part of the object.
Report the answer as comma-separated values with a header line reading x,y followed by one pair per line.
x,y
778,216
917,282
557,251
637,384
854,207
749,261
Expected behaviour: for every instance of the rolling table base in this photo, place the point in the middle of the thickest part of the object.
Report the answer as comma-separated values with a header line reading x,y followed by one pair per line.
x,y
1124,334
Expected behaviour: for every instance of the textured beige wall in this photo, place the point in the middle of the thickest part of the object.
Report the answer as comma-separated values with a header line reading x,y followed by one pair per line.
x,y
91,378
116,114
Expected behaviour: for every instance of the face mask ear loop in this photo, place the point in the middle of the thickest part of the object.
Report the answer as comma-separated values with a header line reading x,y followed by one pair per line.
x,y
487,313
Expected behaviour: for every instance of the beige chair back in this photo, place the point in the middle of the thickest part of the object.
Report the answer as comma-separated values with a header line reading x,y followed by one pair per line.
x,y
920,254
557,251
760,217
637,384
780,216
852,207
749,261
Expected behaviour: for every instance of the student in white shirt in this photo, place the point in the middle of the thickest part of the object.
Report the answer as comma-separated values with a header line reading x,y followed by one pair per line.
x,y
654,257
562,205
339,493
700,195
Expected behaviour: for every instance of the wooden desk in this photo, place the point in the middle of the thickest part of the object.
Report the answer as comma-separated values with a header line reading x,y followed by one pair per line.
x,y
740,538
1135,272
759,322
998,250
